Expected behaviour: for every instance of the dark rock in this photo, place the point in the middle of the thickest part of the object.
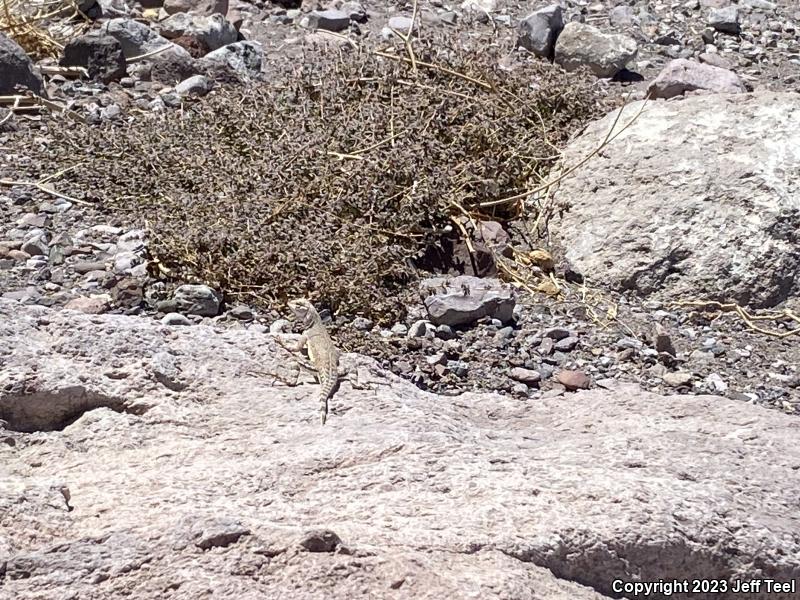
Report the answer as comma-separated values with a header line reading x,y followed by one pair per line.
x,y
16,69
100,54
464,299
320,540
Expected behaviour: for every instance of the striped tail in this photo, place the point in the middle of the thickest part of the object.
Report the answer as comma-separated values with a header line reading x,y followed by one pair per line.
x,y
327,389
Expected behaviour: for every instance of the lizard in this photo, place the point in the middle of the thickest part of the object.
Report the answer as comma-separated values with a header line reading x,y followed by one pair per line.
x,y
323,354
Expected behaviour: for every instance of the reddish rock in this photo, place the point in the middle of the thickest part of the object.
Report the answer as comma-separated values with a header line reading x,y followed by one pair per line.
x,y
574,380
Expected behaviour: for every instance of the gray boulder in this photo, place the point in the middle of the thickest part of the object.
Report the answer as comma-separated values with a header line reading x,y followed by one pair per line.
x,y
696,199
605,54
244,58
725,19
538,31
215,31
681,75
197,85
465,299
16,68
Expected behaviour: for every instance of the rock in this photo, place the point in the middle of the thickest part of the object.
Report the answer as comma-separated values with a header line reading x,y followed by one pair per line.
x,y
196,85
444,332
526,376
716,383
402,24
35,246
539,30
568,344
574,380
241,312
16,69
678,379
280,326
197,300
687,485
198,7
463,300
399,329
218,533
723,229
680,76
362,324
557,333
174,318
605,54
243,58
420,328
110,9
213,31
715,60
622,16
100,54
320,540
662,342
196,47
91,305
138,39
327,20
725,19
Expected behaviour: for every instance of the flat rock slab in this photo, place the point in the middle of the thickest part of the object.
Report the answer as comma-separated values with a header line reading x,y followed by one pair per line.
x,y
697,199
215,490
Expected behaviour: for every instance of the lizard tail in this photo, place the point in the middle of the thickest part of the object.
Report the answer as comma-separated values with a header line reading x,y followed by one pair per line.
x,y
323,410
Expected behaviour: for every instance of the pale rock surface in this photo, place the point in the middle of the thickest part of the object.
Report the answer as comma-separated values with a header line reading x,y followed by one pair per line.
x,y
188,465
680,76
604,54
697,199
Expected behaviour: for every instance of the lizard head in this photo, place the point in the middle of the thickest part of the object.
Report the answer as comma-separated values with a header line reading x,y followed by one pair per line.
x,y
303,311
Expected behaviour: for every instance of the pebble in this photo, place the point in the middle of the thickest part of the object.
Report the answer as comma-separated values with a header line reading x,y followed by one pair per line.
x,y
678,378
573,380
362,324
527,376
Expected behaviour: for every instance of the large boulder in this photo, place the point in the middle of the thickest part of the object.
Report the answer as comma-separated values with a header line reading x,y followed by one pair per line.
x,y
190,463
539,30
16,68
696,199
604,54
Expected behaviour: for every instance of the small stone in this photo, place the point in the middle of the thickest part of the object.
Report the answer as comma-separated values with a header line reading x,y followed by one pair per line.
x,y
399,329
196,85
725,20
458,367
362,324
173,319
546,346
567,344
716,383
527,376
327,20
445,332
194,299
439,358
678,379
663,342
280,326
241,312
85,266
581,45
574,380
320,540
420,328
681,75
557,333
92,305
401,24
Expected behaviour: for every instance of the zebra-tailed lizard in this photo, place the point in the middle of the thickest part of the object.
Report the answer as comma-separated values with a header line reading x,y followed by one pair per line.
x,y
323,354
